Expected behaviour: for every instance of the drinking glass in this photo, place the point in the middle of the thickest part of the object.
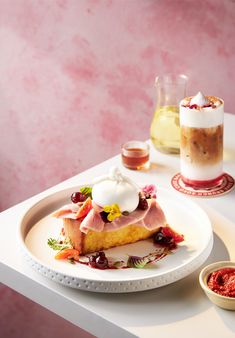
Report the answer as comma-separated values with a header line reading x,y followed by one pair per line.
x,y
135,155
201,148
165,127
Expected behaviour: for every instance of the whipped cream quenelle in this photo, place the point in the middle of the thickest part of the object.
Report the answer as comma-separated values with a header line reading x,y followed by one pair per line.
x,y
116,188
199,99
201,149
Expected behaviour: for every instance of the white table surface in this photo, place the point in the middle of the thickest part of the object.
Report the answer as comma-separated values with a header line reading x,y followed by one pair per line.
x,y
177,310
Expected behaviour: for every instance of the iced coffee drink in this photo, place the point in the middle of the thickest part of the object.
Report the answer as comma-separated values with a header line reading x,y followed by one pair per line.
x,y
201,148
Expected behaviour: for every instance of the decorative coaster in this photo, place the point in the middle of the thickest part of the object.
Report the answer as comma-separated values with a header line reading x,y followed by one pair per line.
x,y
226,185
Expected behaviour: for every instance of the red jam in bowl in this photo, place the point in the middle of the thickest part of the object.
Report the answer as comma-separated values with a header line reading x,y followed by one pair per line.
x,y
223,282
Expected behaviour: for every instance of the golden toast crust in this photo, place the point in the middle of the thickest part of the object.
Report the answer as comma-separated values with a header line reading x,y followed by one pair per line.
x,y
96,241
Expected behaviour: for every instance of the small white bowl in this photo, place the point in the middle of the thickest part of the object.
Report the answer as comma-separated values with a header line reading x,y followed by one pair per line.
x,y
224,302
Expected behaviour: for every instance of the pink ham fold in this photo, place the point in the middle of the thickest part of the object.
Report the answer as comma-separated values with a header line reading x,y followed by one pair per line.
x,y
155,216
151,218
92,221
67,211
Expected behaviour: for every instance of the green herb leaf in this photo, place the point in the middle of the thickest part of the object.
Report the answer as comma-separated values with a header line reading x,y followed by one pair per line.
x,y
118,264
140,262
87,191
125,213
57,245
137,262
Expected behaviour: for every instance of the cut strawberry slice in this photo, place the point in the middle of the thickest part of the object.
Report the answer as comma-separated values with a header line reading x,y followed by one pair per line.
x,y
85,208
68,254
167,231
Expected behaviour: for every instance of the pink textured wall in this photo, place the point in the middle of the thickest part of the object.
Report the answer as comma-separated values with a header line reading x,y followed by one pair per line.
x,y
75,75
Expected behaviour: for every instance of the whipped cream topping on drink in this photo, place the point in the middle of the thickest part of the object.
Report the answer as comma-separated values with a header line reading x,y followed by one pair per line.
x,y
201,111
199,99
116,188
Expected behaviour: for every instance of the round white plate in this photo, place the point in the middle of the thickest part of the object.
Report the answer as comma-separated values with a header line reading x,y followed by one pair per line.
x,y
183,215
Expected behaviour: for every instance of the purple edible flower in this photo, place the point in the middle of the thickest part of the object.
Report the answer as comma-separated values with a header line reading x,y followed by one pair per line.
x,y
149,190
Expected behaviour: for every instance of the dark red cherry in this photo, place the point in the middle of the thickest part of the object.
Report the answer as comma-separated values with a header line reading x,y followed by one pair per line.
x,y
163,240
101,254
77,197
104,216
101,262
92,261
143,204
98,261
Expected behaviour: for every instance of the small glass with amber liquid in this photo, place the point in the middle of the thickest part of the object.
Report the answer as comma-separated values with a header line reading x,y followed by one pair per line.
x,y
135,155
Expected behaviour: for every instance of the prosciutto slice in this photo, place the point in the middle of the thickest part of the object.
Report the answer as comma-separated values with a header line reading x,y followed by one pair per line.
x,y
67,211
151,218
155,216
92,221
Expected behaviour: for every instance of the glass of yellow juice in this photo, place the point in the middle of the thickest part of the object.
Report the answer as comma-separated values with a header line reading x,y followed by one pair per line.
x,y
165,126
